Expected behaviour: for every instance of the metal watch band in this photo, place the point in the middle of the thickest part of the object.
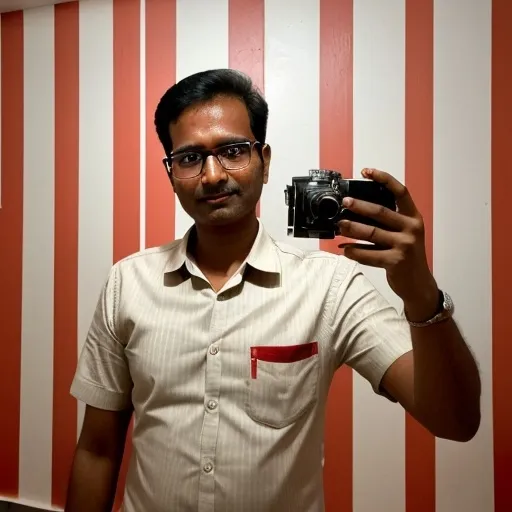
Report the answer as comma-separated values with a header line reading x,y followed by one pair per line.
x,y
446,312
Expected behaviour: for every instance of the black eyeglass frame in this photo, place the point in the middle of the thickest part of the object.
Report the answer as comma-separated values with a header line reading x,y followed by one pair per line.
x,y
205,153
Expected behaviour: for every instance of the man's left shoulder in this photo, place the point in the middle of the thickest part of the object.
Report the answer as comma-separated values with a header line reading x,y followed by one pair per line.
x,y
313,258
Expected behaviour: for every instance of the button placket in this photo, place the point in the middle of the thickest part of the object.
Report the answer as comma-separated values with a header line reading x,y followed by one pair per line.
x,y
209,435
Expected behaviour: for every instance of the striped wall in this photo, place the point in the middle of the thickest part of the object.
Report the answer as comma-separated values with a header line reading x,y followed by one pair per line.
x,y
419,88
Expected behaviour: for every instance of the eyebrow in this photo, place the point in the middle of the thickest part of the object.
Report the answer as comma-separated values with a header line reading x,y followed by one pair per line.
x,y
199,147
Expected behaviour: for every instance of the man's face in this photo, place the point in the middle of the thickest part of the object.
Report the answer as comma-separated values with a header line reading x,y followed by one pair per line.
x,y
218,196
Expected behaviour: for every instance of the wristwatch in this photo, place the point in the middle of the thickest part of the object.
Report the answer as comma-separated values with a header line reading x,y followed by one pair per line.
x,y
445,311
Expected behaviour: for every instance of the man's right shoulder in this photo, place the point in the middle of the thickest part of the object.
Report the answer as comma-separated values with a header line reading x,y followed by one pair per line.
x,y
153,257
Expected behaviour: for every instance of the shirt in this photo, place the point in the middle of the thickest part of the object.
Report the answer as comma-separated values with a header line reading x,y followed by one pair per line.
x,y
229,389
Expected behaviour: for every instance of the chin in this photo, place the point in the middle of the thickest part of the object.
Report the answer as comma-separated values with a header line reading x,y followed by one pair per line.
x,y
224,217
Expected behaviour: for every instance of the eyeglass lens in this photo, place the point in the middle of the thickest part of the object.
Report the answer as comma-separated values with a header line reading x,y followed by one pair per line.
x,y
231,157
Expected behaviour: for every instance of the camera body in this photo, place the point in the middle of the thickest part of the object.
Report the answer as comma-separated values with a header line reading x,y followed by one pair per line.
x,y
315,202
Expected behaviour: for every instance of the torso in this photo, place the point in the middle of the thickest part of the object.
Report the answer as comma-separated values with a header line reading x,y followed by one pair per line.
x,y
178,376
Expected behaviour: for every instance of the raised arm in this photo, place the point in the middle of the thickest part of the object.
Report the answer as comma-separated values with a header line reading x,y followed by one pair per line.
x,y
438,381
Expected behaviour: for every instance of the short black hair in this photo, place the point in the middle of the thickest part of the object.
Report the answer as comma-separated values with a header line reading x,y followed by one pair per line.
x,y
204,86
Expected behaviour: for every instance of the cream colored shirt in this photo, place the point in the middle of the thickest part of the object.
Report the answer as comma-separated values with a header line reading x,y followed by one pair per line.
x,y
229,389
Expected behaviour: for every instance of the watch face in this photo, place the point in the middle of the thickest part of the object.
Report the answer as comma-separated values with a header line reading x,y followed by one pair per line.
x,y
448,303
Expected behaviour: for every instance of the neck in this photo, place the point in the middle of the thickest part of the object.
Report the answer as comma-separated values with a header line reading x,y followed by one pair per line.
x,y
220,250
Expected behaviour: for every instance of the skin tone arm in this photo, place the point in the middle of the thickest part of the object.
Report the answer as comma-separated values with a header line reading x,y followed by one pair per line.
x,y
438,381
97,460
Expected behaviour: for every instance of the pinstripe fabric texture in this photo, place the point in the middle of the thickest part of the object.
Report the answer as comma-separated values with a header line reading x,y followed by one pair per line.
x,y
229,388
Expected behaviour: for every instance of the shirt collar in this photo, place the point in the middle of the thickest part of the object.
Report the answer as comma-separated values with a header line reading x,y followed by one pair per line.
x,y
263,255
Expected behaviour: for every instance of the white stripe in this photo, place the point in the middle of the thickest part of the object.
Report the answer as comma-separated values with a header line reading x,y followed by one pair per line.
x,y
142,53
201,44
33,504
38,257
292,65
462,226
379,132
95,215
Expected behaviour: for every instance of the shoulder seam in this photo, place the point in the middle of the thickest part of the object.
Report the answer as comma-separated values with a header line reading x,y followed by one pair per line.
x,y
151,250
338,279
304,255
115,303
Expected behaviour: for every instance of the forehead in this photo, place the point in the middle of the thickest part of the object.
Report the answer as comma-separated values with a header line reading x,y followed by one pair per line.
x,y
211,123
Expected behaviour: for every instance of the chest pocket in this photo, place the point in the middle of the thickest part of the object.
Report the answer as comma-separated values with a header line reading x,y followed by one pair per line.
x,y
283,383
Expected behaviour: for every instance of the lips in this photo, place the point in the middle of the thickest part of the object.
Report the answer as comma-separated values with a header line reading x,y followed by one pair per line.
x,y
217,198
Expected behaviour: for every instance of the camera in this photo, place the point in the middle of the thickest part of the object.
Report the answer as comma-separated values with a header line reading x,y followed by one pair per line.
x,y
315,202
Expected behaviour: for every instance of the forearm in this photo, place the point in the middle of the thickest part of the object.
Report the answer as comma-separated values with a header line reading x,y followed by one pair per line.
x,y
92,483
446,381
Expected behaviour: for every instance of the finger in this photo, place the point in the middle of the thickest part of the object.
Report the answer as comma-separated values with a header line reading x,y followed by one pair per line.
x,y
366,247
393,220
375,235
344,240
368,255
404,200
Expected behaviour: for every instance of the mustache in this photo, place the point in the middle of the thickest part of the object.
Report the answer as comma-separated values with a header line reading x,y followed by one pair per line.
x,y
205,192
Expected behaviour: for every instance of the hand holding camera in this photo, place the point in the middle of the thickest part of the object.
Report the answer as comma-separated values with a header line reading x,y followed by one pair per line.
x,y
378,210
315,202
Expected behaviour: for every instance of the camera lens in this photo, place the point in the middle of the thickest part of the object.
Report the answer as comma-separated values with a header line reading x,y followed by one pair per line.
x,y
328,207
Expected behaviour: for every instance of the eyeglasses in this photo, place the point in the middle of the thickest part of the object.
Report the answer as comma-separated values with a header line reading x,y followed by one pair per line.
x,y
189,164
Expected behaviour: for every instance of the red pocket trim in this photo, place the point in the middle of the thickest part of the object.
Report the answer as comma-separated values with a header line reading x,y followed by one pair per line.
x,y
281,354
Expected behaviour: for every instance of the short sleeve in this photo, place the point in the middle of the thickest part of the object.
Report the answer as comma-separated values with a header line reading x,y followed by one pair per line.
x,y
368,332
102,377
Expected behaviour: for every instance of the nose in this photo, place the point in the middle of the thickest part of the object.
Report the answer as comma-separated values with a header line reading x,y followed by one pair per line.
x,y
213,172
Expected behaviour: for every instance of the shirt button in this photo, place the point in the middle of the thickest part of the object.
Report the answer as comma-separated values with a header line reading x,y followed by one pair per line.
x,y
212,404
214,349
207,468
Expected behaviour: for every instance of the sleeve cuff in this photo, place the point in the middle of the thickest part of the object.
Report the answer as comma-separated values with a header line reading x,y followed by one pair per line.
x,y
100,398
376,381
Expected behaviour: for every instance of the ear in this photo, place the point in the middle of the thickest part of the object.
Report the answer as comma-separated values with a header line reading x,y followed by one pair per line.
x,y
169,175
266,153
171,179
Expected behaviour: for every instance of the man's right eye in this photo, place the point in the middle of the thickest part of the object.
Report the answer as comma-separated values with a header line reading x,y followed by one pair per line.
x,y
189,159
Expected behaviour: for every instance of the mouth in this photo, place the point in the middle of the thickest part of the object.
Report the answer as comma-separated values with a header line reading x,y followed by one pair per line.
x,y
217,198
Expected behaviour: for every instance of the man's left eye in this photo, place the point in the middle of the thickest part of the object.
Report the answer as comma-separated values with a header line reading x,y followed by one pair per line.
x,y
231,152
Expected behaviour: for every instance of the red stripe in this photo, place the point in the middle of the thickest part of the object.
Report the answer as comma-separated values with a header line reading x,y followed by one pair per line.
x,y
160,75
501,250
11,237
419,143
247,41
66,246
336,153
127,126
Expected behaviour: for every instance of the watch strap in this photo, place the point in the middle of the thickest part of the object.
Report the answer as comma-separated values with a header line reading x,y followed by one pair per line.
x,y
444,312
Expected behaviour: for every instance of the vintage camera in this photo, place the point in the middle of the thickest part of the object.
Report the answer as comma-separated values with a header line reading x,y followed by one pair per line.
x,y
315,202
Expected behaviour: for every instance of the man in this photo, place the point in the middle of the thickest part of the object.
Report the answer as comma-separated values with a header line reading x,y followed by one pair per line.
x,y
224,343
